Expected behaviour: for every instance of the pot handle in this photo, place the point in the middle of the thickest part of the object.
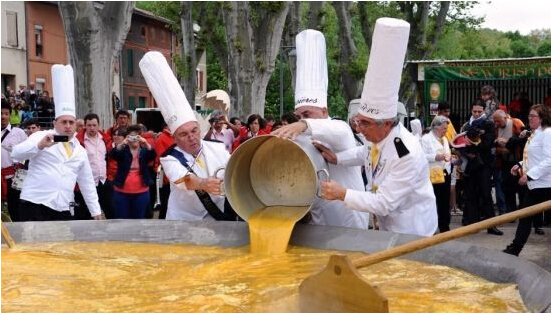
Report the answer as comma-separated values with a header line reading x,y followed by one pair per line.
x,y
222,188
325,171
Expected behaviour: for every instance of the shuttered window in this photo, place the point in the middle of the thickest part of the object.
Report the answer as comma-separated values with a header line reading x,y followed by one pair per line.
x,y
11,26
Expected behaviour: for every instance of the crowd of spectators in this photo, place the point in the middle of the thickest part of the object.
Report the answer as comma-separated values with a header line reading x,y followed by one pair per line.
x,y
28,103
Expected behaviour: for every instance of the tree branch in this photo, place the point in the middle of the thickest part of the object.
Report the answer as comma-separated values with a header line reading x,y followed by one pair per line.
x,y
365,24
439,24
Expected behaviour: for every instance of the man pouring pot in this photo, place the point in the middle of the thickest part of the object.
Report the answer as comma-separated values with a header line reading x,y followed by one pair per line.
x,y
399,191
191,163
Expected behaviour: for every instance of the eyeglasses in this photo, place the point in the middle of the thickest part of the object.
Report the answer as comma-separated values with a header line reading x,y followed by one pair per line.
x,y
532,115
364,123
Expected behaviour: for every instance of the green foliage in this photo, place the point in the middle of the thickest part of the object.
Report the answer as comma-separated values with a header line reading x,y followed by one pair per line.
x,y
544,49
167,9
461,39
216,78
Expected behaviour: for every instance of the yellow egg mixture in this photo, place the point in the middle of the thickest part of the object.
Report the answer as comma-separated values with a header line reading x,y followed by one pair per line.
x,y
146,277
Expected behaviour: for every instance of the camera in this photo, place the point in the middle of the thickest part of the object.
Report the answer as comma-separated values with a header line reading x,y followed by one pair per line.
x,y
61,138
133,138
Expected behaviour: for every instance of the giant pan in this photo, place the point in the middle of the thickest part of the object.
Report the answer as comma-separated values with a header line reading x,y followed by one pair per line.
x,y
533,281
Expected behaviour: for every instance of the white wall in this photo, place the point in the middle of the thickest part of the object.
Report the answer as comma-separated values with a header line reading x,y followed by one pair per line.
x,y
14,59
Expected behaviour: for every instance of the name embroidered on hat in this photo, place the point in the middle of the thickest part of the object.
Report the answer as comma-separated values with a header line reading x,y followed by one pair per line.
x,y
307,100
171,119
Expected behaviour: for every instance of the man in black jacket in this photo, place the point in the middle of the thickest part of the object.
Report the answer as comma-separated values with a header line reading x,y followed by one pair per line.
x,y
478,171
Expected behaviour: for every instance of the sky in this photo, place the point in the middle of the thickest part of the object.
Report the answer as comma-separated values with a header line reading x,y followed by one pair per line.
x,y
522,16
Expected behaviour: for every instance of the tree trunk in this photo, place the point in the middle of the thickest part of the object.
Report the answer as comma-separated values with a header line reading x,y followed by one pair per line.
x,y
352,86
253,46
188,79
365,24
294,27
422,42
315,15
95,36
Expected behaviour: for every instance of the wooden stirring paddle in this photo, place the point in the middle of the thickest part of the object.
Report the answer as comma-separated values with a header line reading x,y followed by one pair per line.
x,y
339,287
7,237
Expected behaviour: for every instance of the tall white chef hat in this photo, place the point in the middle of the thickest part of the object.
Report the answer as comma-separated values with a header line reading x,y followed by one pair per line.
x,y
383,77
311,84
166,90
63,85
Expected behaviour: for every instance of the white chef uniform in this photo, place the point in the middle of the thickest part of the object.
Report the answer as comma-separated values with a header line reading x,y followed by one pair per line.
x,y
311,90
183,204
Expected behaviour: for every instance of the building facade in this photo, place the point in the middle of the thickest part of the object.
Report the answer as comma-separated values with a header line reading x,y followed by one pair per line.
x,y
14,45
33,39
46,43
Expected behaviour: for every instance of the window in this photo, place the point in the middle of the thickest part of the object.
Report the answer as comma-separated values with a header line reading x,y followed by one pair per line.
x,y
130,60
40,83
11,26
131,104
38,41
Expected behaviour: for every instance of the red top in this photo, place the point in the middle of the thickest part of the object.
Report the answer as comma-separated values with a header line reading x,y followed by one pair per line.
x,y
164,141
133,183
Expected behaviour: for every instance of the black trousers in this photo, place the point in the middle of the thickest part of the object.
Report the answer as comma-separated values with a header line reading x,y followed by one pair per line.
x,y
13,202
108,208
479,202
523,230
510,187
38,212
164,194
81,210
442,199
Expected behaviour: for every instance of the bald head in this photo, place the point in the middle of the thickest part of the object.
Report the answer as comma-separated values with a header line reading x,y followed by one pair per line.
x,y
500,117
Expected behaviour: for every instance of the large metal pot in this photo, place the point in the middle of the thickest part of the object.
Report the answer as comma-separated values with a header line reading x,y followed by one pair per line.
x,y
533,281
268,171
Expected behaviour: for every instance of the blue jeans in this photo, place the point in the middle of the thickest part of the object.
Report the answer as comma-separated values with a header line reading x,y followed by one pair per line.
x,y
499,193
130,205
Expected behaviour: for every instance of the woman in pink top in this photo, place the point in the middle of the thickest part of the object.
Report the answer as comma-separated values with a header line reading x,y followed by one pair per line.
x,y
132,180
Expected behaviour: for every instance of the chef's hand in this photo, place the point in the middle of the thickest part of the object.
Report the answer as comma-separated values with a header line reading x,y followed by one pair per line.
x,y
46,141
99,217
209,184
326,152
290,131
331,190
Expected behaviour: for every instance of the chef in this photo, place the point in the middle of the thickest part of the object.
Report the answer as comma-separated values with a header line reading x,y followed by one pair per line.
x,y
315,127
190,165
399,191
57,161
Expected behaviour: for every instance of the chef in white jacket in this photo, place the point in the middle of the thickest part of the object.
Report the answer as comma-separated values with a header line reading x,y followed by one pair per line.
x,y
399,193
56,163
190,165
316,126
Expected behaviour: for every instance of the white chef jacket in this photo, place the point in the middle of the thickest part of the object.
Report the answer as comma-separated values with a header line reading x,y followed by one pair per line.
x,y
338,136
52,174
14,137
403,200
184,204
538,159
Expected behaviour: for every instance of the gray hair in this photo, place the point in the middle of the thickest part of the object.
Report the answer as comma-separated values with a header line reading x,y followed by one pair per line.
x,y
438,121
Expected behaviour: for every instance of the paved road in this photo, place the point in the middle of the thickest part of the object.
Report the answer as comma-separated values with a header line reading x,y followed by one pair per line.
x,y
537,249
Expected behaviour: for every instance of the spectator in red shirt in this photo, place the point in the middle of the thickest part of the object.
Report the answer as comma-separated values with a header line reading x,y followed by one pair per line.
x,y
131,185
